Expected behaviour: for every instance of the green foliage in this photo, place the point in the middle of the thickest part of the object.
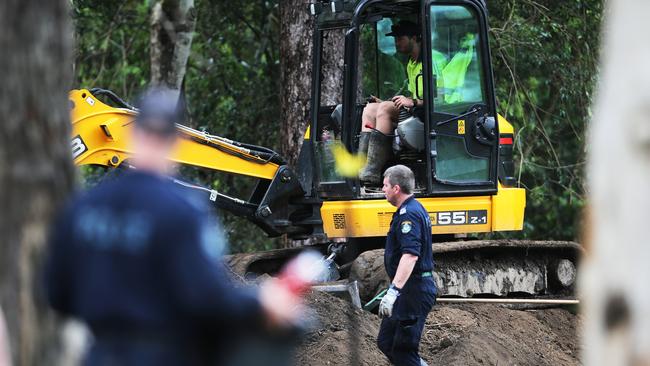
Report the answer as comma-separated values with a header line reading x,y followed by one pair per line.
x,y
232,85
545,56
233,75
231,81
112,45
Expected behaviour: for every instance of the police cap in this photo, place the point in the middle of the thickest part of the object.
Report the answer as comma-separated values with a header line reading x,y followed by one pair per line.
x,y
158,112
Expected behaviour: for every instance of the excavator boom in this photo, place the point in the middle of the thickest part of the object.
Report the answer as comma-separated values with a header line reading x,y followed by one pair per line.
x,y
102,136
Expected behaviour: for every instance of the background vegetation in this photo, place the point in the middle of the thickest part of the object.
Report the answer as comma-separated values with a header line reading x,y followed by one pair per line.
x,y
545,57
545,64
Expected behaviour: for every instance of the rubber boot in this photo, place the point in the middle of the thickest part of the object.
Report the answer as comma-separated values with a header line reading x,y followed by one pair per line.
x,y
363,142
379,151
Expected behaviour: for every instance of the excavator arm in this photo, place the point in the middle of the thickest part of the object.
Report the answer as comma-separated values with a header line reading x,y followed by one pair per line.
x,y
101,135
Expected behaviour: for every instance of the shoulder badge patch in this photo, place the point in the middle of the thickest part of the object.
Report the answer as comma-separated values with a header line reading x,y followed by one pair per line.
x,y
402,211
406,227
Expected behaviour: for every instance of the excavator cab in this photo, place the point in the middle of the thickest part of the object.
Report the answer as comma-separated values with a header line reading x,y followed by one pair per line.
x,y
452,141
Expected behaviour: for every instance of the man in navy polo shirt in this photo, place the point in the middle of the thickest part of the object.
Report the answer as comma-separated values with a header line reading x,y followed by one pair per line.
x,y
408,260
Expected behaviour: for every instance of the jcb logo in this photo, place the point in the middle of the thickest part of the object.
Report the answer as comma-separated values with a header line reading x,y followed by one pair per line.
x,y
78,146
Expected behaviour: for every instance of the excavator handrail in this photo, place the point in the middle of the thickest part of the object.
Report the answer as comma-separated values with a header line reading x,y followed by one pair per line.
x,y
112,96
241,150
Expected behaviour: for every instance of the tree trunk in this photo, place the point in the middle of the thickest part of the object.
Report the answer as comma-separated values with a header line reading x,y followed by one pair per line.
x,y
296,27
36,170
172,25
296,30
615,272
332,62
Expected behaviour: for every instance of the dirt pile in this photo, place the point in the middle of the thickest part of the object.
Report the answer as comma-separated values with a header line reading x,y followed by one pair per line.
x,y
476,334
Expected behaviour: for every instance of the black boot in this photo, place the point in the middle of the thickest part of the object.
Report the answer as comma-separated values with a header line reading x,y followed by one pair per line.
x,y
379,151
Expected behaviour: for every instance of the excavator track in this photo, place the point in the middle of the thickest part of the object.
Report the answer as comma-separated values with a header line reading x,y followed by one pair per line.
x,y
250,265
464,269
506,268
487,268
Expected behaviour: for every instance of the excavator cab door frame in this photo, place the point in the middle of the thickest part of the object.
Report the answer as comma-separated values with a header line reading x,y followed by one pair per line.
x,y
461,133
327,184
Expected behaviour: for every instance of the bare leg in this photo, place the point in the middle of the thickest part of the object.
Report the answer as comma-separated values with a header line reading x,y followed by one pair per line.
x,y
387,113
369,117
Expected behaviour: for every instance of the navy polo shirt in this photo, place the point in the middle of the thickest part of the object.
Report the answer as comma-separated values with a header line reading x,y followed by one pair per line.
x,y
134,255
410,233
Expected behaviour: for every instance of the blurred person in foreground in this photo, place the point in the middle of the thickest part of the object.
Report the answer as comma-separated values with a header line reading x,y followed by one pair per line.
x,y
139,262
408,259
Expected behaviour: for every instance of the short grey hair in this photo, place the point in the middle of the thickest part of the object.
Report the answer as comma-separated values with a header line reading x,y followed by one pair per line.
x,y
402,176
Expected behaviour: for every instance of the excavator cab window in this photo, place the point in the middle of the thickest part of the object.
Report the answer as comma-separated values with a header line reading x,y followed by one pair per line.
x,y
461,118
382,70
455,59
328,131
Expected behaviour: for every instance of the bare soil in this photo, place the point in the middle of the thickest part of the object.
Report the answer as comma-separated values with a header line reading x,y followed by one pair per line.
x,y
476,334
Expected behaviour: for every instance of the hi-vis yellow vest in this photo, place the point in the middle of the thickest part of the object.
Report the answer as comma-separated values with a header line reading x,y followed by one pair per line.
x,y
456,70
450,76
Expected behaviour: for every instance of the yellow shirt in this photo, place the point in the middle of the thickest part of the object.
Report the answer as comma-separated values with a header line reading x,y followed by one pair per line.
x,y
413,68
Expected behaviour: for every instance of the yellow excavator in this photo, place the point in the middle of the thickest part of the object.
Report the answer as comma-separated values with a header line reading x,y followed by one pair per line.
x,y
459,147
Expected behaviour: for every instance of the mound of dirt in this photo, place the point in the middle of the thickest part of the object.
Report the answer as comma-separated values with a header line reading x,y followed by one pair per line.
x,y
475,334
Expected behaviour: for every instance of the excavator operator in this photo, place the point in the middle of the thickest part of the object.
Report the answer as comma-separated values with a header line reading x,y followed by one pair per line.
x,y
380,116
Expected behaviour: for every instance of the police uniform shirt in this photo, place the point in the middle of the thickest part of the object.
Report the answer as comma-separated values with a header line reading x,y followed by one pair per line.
x,y
410,233
134,254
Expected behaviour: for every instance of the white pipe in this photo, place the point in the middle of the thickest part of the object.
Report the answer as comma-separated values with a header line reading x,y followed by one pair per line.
x,y
510,301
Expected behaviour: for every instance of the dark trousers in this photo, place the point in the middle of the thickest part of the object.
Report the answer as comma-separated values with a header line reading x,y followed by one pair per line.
x,y
399,340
